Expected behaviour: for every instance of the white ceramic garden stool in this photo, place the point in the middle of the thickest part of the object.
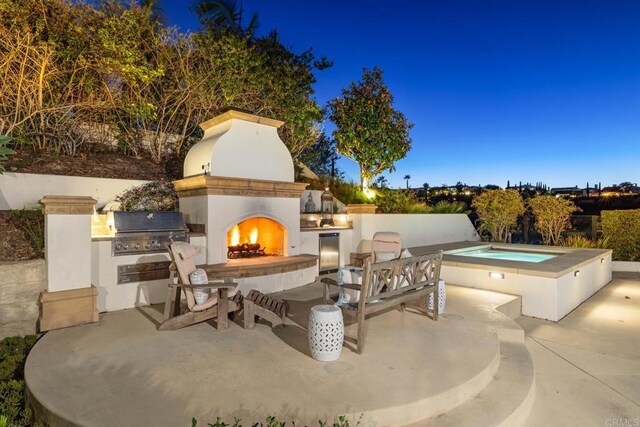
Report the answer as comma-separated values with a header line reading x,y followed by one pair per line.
x,y
326,332
442,297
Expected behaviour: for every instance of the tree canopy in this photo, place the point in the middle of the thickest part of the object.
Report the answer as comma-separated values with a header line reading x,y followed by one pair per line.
x,y
110,74
498,212
369,130
553,216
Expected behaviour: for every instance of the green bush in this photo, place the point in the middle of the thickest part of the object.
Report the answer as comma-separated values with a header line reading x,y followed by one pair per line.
x,y
498,212
349,193
4,151
622,228
158,196
445,207
270,421
399,201
13,354
578,241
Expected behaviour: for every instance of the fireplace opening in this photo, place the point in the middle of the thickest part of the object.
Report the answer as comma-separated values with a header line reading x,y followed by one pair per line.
x,y
255,237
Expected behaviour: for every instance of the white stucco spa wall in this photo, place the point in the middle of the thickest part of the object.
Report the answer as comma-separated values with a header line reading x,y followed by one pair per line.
x,y
549,298
23,190
415,229
573,290
241,149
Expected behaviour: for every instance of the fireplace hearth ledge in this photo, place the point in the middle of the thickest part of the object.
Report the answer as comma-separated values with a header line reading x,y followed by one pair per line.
x,y
260,266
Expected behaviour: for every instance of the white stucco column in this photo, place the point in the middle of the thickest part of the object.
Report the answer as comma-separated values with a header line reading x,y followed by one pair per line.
x,y
70,298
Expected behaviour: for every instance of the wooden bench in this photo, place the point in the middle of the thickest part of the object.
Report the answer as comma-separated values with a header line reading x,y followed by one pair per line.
x,y
396,283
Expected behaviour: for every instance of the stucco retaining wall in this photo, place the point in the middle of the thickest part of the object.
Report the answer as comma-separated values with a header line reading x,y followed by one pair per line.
x,y
415,229
23,190
626,266
21,283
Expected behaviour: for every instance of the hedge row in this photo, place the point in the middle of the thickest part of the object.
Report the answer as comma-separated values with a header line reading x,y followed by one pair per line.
x,y
622,228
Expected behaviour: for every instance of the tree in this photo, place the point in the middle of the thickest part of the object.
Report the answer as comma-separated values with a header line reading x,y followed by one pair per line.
x,y
498,212
321,157
553,216
224,14
381,182
407,178
368,129
110,72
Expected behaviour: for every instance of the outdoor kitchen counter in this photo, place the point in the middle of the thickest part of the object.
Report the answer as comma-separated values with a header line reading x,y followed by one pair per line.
x,y
326,228
261,266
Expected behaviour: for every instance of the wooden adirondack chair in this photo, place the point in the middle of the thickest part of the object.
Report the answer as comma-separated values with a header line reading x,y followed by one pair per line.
x,y
218,305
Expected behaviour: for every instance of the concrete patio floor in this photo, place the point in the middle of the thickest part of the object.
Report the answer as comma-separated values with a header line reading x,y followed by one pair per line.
x,y
588,364
122,371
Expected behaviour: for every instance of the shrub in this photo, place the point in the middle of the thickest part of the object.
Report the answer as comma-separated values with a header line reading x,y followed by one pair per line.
x,y
4,151
622,228
31,222
13,354
399,201
419,208
349,193
498,212
584,242
159,196
271,421
445,207
553,216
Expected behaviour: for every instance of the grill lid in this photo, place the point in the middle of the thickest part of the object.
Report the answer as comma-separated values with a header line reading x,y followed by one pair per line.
x,y
131,222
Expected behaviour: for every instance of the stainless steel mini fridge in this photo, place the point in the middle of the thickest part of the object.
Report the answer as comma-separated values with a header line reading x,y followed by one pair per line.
x,y
329,252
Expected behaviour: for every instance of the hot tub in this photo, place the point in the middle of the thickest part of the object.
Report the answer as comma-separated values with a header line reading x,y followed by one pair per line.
x,y
552,281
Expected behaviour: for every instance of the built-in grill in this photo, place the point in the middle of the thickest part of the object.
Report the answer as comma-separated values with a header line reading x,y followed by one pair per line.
x,y
147,232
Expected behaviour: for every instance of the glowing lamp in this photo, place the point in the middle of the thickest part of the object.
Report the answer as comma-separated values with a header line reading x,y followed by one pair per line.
x,y
496,275
327,208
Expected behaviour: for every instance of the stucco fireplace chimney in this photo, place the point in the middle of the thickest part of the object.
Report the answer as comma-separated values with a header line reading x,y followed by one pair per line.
x,y
240,170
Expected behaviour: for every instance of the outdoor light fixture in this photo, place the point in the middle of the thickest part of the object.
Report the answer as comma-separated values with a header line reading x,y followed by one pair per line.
x,y
601,260
326,200
495,275
576,273
369,193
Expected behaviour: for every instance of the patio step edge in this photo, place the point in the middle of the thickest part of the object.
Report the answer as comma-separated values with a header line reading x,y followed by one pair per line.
x,y
421,409
506,401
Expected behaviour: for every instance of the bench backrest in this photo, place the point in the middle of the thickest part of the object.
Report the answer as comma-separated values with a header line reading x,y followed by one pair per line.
x,y
384,280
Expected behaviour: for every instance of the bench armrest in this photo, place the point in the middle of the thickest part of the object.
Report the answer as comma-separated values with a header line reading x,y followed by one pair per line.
x,y
329,281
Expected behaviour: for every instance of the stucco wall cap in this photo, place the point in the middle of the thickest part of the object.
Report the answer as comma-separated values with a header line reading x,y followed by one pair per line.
x,y
67,205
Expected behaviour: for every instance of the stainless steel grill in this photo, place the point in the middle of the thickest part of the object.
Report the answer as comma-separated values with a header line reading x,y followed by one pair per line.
x,y
147,232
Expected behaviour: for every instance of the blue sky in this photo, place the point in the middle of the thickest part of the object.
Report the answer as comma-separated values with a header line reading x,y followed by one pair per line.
x,y
497,90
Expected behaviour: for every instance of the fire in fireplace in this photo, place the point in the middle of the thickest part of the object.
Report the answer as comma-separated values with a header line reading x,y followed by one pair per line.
x,y
255,237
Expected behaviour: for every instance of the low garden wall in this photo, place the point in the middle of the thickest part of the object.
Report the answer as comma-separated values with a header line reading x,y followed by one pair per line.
x,y
415,229
23,190
21,283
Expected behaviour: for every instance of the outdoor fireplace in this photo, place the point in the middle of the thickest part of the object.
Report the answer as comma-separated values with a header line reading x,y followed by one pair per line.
x,y
255,237
239,180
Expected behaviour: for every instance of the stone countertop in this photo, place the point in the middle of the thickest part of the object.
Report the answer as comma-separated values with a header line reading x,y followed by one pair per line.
x,y
338,227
